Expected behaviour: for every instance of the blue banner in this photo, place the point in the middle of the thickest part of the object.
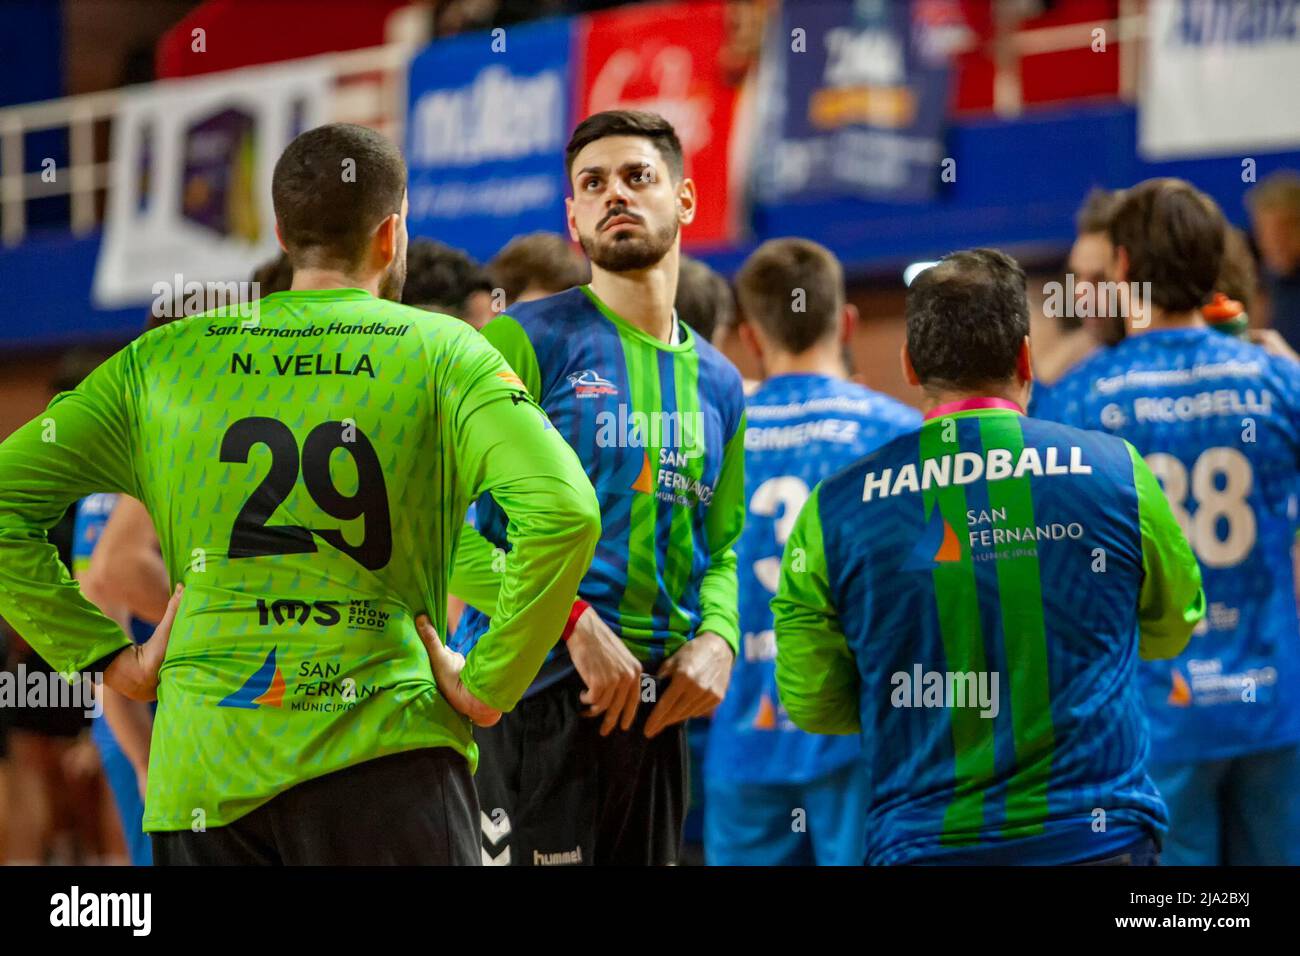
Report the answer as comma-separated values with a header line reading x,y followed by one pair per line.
x,y
855,96
489,118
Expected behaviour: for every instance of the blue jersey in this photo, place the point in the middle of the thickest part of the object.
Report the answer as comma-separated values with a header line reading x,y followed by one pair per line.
x,y
1218,421
801,428
659,429
88,526
972,599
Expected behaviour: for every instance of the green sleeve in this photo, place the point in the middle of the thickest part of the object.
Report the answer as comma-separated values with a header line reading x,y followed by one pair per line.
x,y
506,446
1171,601
81,444
476,572
719,591
815,672
510,339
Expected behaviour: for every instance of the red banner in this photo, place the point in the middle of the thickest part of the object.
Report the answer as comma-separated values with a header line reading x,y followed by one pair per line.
x,y
668,59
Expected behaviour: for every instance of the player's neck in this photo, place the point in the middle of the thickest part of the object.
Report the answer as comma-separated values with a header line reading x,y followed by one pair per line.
x,y
818,360
310,280
643,298
1160,319
1017,394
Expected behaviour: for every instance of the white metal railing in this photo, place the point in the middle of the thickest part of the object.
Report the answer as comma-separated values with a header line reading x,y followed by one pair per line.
x,y
370,88
1128,29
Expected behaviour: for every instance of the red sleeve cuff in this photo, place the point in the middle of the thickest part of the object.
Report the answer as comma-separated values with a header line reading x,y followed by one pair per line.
x,y
579,607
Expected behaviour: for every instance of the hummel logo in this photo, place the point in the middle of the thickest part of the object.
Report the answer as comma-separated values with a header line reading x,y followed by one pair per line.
x,y
502,859
495,829
561,858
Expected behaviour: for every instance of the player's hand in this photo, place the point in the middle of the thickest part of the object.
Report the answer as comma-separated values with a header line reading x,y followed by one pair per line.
x,y
1272,343
134,672
700,672
447,665
607,667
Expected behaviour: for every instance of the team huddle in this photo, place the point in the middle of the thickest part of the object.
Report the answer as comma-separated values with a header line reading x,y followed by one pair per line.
x,y
968,635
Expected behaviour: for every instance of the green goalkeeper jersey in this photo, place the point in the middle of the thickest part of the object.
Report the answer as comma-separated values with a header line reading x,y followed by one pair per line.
x,y
308,472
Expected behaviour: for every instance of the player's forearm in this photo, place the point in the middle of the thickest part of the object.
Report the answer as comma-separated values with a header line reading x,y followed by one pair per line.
x,y
553,529
719,589
815,673
1166,622
45,606
719,604
477,570
135,577
38,596
1171,601
130,721
821,716
127,563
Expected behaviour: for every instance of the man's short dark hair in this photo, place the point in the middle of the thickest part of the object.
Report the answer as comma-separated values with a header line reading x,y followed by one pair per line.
x,y
704,300
793,289
331,188
1094,215
1173,234
441,278
544,259
651,126
966,320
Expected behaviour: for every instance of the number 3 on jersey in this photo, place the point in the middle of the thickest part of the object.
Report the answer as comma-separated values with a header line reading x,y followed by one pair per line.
x,y
1212,503
786,493
252,537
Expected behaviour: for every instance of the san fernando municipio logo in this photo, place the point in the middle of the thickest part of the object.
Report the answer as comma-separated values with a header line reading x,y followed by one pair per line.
x,y
264,689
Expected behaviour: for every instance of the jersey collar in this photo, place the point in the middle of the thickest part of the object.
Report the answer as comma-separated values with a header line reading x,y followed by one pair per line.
x,y
320,294
685,345
972,405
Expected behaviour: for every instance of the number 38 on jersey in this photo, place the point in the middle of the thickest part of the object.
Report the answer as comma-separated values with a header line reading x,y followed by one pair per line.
x,y
1219,485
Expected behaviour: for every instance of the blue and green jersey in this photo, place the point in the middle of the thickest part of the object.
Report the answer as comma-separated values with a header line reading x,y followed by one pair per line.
x,y
659,429
972,599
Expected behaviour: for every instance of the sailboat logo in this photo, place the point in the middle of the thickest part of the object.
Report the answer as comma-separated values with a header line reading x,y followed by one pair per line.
x,y
938,544
264,689
1180,694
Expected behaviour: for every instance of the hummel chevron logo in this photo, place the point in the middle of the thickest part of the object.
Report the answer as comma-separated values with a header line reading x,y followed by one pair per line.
x,y
501,859
495,830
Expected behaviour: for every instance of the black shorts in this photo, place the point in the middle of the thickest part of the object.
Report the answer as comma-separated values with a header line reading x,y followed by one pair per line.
x,y
60,723
412,808
553,791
